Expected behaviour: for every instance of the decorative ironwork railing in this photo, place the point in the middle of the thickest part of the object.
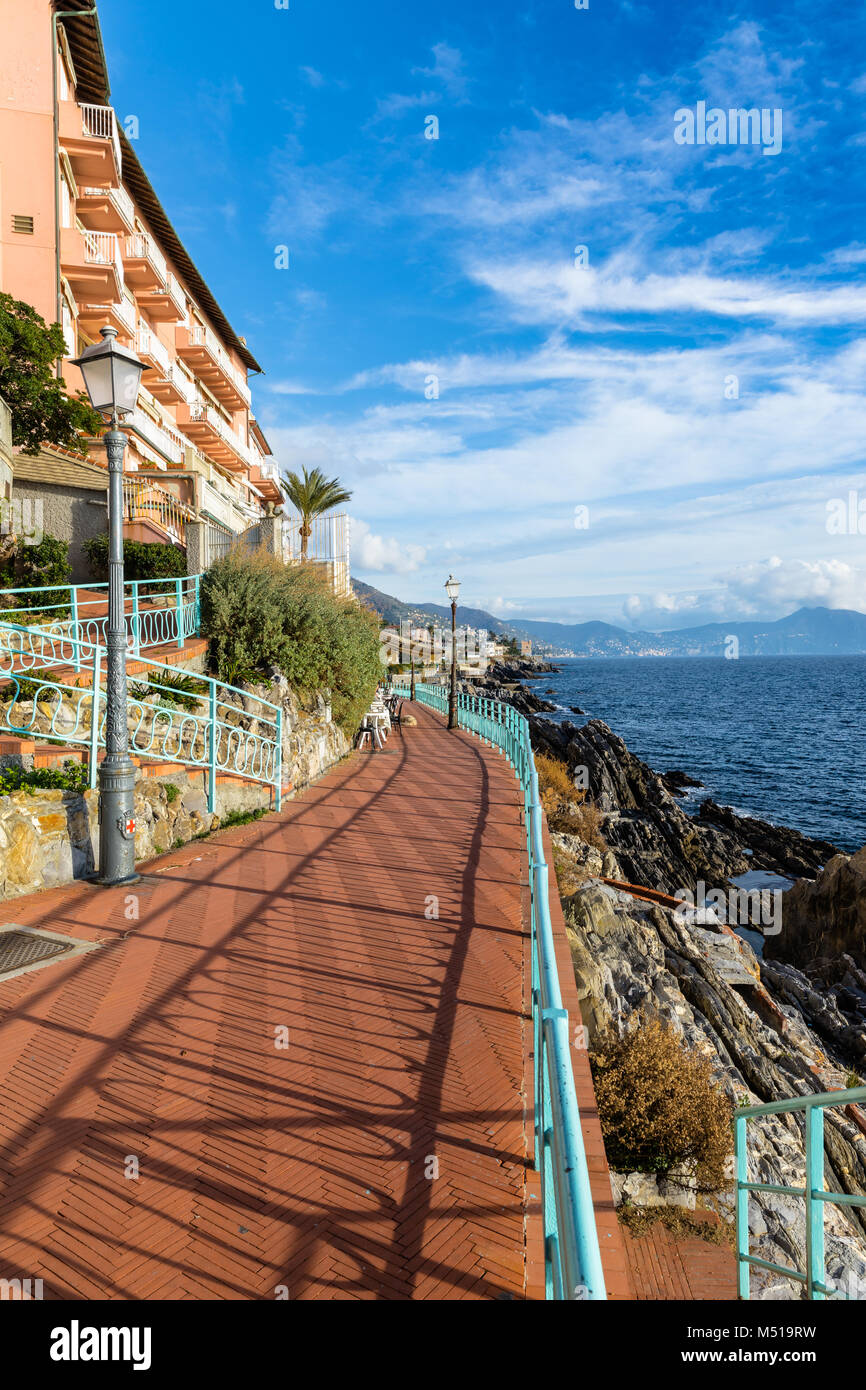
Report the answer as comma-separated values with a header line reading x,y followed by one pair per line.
x,y
572,1256
202,723
814,1277
158,612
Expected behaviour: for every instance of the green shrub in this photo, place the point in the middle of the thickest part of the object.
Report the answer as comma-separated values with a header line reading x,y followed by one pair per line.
x,y
171,688
41,566
70,777
171,792
141,559
259,613
658,1104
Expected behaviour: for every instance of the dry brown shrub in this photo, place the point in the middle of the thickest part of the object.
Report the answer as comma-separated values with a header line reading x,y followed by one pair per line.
x,y
659,1105
566,808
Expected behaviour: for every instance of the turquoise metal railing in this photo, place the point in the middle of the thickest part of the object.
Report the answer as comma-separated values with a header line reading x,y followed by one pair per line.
x,y
572,1257
158,612
813,1192
215,727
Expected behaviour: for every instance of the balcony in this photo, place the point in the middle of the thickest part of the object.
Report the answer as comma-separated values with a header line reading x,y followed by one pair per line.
x,y
92,265
166,302
90,137
106,210
264,475
165,440
201,348
120,315
216,438
144,263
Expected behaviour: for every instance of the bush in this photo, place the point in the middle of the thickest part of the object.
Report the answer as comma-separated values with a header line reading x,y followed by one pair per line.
x,y
566,807
70,777
43,412
658,1104
260,614
141,559
41,566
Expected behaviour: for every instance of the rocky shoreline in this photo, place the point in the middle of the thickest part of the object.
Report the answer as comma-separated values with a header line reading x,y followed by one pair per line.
x,y
779,1008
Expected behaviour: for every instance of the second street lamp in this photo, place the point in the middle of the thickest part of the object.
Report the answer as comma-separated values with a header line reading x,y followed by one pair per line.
x,y
112,376
452,589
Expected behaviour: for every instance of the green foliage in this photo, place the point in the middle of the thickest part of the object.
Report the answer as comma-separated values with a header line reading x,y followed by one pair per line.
x,y
70,777
171,688
242,817
852,1081
171,792
141,559
42,410
21,688
259,613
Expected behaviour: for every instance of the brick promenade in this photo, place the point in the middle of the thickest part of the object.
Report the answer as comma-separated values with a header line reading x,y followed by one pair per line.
x,y
307,1170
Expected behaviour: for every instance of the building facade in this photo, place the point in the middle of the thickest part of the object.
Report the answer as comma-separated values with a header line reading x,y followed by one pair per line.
x,y
85,240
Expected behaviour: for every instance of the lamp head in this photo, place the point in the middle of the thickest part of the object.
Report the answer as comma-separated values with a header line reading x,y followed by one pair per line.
x,y
452,588
112,375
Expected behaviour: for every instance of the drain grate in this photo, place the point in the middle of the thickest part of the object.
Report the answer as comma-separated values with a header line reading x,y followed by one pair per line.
x,y
19,949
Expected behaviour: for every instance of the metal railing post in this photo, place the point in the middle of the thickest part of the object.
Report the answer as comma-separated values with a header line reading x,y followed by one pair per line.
x,y
76,652
212,745
178,611
814,1206
94,715
742,1158
278,763
136,620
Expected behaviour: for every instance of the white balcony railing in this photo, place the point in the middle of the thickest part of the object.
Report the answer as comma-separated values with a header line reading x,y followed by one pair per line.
x,y
141,247
206,338
199,410
122,309
166,440
101,122
119,197
103,248
175,289
150,346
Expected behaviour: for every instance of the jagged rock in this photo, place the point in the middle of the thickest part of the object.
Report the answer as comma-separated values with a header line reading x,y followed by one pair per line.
x,y
774,847
678,782
653,840
629,956
826,917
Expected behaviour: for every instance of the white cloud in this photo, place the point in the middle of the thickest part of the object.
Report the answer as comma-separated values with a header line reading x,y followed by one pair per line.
x,y
381,555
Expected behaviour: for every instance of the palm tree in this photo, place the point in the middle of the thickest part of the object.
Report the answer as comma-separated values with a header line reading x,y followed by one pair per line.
x,y
312,494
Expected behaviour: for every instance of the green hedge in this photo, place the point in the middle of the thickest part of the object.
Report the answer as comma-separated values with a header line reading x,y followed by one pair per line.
x,y
141,559
260,614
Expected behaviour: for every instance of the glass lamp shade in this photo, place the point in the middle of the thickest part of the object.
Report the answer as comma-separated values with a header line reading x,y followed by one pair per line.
x,y
112,375
452,588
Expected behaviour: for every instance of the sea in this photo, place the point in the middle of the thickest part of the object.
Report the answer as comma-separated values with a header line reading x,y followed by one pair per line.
x,y
782,738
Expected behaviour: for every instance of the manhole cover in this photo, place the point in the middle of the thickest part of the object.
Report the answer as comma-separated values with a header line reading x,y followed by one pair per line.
x,y
18,949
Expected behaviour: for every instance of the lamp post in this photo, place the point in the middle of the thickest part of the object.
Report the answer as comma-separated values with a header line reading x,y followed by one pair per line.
x,y
112,376
452,589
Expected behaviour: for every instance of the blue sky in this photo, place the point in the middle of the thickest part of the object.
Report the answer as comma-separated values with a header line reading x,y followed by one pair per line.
x,y
604,386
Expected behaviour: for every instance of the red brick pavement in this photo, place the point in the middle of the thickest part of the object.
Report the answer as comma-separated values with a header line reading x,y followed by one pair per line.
x,y
668,1266
302,1168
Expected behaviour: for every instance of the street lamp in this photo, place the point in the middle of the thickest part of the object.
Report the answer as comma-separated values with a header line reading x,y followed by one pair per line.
x,y
452,589
112,376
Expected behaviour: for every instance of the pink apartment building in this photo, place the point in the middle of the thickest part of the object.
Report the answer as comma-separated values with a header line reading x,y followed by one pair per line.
x,y
86,241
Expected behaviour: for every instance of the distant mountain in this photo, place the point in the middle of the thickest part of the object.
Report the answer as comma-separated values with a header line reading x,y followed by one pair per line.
x,y
808,632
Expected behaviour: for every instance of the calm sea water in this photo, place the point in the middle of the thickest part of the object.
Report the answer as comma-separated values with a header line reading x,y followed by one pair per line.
x,y
782,738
